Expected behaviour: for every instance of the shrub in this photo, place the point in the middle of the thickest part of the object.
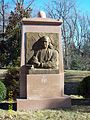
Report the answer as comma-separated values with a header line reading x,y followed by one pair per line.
x,y
2,91
84,87
12,82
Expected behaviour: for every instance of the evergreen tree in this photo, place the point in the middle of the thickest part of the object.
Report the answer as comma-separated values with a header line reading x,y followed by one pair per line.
x,y
10,51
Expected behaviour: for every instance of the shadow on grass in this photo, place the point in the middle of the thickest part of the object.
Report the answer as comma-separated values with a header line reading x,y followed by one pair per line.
x,y
70,88
85,102
5,106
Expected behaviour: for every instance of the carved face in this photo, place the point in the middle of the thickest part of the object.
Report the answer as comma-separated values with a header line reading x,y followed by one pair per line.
x,y
45,42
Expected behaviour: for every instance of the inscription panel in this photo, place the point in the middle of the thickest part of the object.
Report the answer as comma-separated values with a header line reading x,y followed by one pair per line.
x,y
44,86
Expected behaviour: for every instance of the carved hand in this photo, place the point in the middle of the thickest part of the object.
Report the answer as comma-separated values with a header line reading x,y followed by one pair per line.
x,y
35,60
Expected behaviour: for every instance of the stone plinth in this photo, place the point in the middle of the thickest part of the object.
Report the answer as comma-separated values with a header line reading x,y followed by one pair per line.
x,y
45,103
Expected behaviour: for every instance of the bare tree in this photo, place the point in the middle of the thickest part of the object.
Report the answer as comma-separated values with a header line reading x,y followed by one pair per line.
x,y
75,33
3,17
65,9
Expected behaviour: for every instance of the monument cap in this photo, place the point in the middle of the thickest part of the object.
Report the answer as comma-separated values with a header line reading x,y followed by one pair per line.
x,y
42,14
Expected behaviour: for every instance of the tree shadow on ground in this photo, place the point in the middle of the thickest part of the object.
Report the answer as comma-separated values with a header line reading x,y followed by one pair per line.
x,y
5,106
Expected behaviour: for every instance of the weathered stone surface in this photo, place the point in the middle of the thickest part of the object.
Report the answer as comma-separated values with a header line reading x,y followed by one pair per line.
x,y
45,86
41,88
47,103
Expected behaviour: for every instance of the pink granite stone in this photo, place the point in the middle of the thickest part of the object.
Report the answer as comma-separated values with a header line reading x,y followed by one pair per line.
x,y
41,89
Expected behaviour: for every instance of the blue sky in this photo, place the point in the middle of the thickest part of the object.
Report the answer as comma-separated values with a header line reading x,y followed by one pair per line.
x,y
83,5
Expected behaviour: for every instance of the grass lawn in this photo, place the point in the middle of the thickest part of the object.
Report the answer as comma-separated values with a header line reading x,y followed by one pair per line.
x,y
73,113
75,75
76,112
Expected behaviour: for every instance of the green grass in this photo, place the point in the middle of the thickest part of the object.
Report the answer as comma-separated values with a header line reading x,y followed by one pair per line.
x,y
75,75
74,113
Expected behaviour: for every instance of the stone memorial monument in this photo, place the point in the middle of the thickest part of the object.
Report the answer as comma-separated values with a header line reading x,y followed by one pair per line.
x,y
41,73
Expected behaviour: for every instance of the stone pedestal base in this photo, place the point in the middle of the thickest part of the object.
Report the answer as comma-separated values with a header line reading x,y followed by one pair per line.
x,y
46,103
